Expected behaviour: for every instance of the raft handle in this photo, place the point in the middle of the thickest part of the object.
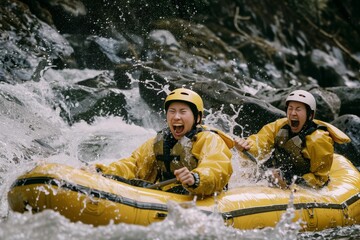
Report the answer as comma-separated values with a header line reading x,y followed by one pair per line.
x,y
346,211
310,212
227,216
161,215
162,184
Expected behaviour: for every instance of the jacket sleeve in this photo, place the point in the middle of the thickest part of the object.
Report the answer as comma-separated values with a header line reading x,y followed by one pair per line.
x,y
141,164
214,163
262,143
320,150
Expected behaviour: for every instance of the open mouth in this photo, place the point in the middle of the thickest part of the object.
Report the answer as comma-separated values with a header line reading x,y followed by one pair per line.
x,y
178,128
295,123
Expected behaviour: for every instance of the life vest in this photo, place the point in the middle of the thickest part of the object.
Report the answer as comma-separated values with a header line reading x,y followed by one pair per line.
x,y
287,155
172,154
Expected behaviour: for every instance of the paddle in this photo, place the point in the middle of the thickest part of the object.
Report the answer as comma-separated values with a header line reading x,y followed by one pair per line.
x,y
139,182
260,167
258,164
161,184
251,157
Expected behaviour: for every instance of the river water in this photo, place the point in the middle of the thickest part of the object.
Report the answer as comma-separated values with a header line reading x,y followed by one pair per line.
x,y
29,118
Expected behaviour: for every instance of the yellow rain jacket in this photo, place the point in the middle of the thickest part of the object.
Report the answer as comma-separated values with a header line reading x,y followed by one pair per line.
x,y
319,148
210,148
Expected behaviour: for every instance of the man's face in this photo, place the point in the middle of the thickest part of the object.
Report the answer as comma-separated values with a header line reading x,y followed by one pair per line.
x,y
296,115
180,119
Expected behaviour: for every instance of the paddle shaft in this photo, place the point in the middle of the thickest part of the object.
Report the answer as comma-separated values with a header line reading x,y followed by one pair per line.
x,y
173,180
251,157
163,183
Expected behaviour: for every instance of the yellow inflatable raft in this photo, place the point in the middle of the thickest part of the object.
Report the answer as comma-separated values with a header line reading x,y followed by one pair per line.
x,y
94,199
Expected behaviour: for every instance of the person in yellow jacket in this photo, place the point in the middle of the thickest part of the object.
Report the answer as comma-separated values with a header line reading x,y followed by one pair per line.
x,y
297,148
197,156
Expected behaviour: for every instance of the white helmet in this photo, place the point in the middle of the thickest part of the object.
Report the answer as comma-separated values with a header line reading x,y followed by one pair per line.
x,y
303,97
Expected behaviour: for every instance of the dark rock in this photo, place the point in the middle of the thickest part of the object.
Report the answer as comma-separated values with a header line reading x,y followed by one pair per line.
x,y
109,103
242,56
326,69
26,43
91,98
248,114
103,80
328,103
350,99
125,75
98,52
350,125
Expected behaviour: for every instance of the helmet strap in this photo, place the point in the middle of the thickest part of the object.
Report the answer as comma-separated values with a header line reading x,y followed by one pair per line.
x,y
199,117
309,113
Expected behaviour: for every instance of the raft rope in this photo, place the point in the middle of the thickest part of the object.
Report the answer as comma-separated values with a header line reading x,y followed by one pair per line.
x,y
163,207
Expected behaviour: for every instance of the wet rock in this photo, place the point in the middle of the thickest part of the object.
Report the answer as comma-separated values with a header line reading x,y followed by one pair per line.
x,y
328,103
244,57
350,99
91,98
126,76
26,41
327,69
248,113
350,125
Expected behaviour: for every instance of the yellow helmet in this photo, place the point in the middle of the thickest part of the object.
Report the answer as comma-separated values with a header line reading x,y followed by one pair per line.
x,y
186,95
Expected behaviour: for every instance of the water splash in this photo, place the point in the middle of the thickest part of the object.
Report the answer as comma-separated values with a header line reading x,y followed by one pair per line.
x,y
28,115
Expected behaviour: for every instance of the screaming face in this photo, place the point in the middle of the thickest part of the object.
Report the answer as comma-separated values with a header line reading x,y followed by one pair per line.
x,y
294,123
297,115
180,119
